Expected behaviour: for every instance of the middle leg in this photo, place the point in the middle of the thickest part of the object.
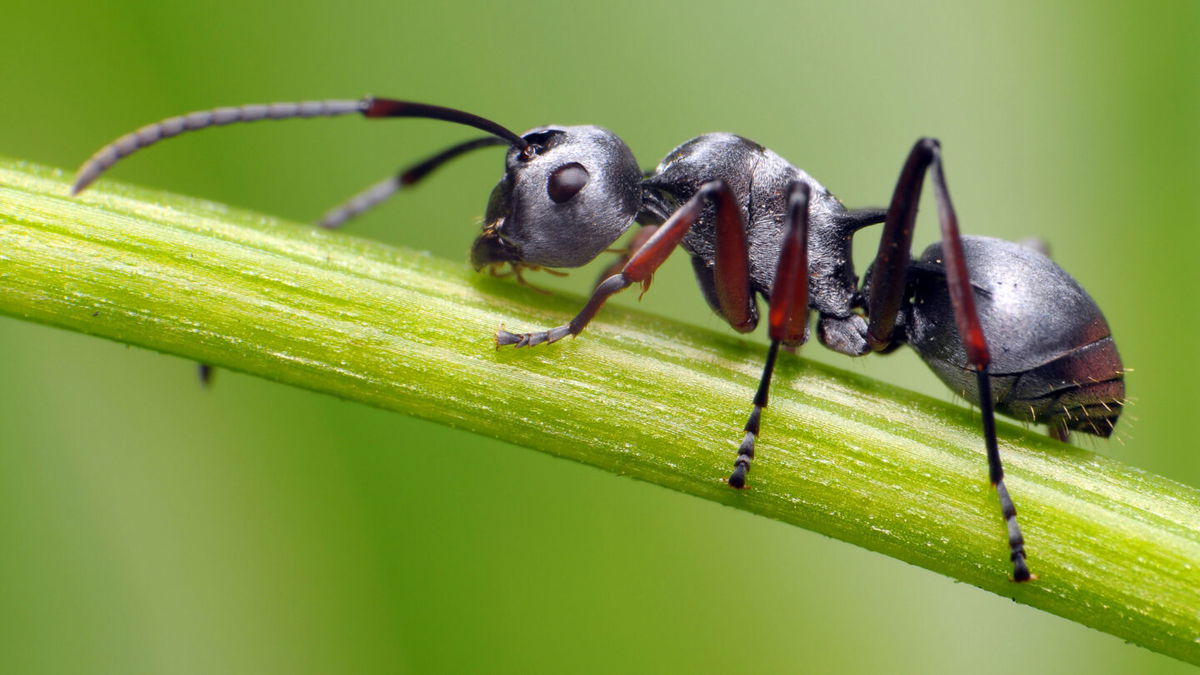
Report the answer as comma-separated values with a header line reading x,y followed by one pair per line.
x,y
787,317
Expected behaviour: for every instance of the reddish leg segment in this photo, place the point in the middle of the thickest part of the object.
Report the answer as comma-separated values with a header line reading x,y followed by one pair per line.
x,y
638,240
888,287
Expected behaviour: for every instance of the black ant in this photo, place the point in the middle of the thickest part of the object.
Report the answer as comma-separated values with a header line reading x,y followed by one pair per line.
x,y
756,225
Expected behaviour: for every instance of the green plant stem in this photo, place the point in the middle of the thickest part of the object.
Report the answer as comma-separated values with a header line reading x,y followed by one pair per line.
x,y
1115,548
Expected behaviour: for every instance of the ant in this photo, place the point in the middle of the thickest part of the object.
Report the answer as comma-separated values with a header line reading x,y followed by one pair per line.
x,y
756,225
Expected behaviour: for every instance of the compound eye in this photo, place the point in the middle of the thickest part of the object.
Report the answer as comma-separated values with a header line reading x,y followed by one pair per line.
x,y
566,181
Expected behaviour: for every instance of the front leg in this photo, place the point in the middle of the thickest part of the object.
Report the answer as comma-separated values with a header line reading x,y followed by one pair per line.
x,y
611,285
731,267
636,242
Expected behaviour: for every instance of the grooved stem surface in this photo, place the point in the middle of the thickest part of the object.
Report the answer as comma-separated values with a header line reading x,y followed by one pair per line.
x,y
1114,548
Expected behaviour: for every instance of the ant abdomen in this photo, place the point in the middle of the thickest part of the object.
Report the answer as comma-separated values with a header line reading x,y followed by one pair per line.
x,y
1053,362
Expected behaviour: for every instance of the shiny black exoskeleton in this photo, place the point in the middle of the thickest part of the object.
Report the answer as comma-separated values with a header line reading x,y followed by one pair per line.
x,y
998,322
1054,361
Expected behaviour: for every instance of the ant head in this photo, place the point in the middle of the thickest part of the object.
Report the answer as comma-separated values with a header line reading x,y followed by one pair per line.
x,y
562,201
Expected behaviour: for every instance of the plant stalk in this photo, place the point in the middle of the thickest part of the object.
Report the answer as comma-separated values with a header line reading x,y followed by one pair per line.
x,y
1114,547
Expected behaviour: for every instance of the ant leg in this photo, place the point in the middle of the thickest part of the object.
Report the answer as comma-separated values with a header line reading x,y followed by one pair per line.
x,y
787,317
732,267
888,286
1016,541
638,240
411,175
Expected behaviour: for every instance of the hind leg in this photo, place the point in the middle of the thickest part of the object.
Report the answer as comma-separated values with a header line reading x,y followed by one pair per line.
x,y
889,285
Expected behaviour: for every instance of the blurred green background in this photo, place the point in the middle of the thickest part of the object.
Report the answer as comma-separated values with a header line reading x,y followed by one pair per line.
x,y
149,526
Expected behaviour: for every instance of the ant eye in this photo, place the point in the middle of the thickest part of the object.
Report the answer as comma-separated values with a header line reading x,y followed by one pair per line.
x,y
566,181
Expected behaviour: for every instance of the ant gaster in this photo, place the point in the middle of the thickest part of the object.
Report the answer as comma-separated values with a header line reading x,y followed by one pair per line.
x,y
756,225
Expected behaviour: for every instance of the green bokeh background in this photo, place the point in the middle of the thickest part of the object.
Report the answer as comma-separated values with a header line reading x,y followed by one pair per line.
x,y
149,526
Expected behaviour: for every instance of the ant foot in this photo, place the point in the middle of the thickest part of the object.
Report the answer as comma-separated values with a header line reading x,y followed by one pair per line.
x,y
745,452
1020,569
505,338
737,479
